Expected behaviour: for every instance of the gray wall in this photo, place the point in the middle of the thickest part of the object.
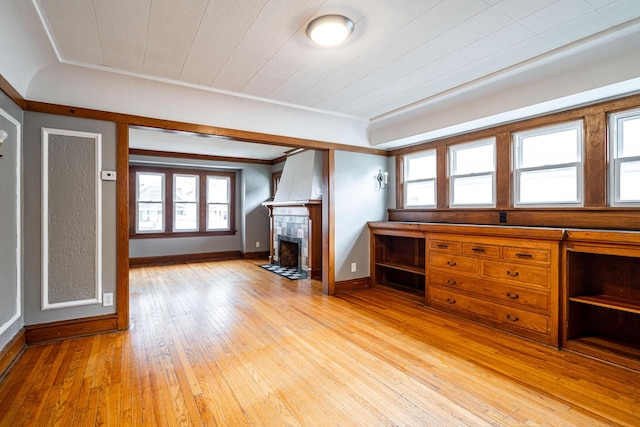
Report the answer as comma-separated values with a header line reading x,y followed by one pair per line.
x,y
11,283
252,219
33,297
358,200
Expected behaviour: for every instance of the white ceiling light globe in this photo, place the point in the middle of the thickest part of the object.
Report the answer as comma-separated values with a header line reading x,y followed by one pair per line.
x,y
330,30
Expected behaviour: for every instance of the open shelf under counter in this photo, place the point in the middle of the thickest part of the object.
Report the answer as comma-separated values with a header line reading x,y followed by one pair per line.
x,y
608,301
403,267
602,287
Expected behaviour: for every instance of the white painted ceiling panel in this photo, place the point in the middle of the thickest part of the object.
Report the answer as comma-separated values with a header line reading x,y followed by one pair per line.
x,y
518,9
580,27
411,7
182,142
121,34
172,29
262,84
239,69
619,11
556,14
244,11
401,51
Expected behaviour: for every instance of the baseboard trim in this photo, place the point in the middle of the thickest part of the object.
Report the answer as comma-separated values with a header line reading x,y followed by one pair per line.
x,y
183,258
256,255
352,285
55,331
12,352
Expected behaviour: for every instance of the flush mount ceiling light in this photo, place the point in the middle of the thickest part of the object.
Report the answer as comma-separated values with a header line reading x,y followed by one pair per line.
x,y
329,30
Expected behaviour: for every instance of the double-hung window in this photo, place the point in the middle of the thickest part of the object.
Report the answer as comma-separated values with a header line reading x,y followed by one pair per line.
x,y
150,196
218,203
472,174
547,166
624,164
181,202
185,202
420,179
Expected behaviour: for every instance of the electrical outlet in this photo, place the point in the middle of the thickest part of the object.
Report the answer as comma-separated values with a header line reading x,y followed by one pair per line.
x,y
503,217
353,267
257,244
107,299
108,175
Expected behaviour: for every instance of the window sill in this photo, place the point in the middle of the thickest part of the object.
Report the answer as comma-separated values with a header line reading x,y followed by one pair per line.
x,y
181,234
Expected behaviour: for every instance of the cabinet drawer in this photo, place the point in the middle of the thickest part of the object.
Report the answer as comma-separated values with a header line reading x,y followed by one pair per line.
x,y
454,262
503,293
534,255
444,245
509,317
489,251
505,271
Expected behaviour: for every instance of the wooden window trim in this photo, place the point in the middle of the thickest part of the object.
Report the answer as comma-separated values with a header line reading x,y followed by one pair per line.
x,y
598,211
168,214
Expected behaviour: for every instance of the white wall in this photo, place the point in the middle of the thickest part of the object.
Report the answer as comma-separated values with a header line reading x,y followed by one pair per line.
x,y
301,178
357,200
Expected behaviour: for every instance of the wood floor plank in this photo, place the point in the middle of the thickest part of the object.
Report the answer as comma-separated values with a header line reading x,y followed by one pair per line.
x,y
227,343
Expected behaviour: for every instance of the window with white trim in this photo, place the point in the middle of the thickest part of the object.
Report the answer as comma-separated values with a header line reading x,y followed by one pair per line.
x,y
185,202
217,203
181,202
472,174
150,202
420,179
548,167
624,164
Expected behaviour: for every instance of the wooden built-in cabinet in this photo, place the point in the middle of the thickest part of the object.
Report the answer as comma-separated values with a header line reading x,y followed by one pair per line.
x,y
579,289
602,287
398,261
508,283
504,277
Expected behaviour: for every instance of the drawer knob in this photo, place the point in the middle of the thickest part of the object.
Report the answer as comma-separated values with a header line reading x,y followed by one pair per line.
x,y
442,246
451,282
524,255
451,263
513,296
481,250
451,301
512,274
512,318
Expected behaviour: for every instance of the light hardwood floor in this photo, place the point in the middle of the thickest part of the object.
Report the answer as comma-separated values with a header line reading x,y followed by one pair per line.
x,y
228,343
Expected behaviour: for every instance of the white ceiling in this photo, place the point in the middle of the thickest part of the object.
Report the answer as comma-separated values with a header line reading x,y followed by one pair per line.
x,y
402,52
191,143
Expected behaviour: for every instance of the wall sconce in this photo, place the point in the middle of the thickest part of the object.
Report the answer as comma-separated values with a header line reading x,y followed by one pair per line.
x,y
382,179
3,135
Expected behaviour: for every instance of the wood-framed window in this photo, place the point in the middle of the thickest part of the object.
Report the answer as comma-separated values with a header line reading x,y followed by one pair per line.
x,y
624,160
472,174
547,165
168,202
420,174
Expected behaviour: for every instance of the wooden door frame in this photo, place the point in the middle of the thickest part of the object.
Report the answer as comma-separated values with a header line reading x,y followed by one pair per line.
x,y
122,226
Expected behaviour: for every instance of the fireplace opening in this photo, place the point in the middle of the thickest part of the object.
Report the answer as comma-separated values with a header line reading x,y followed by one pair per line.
x,y
289,252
